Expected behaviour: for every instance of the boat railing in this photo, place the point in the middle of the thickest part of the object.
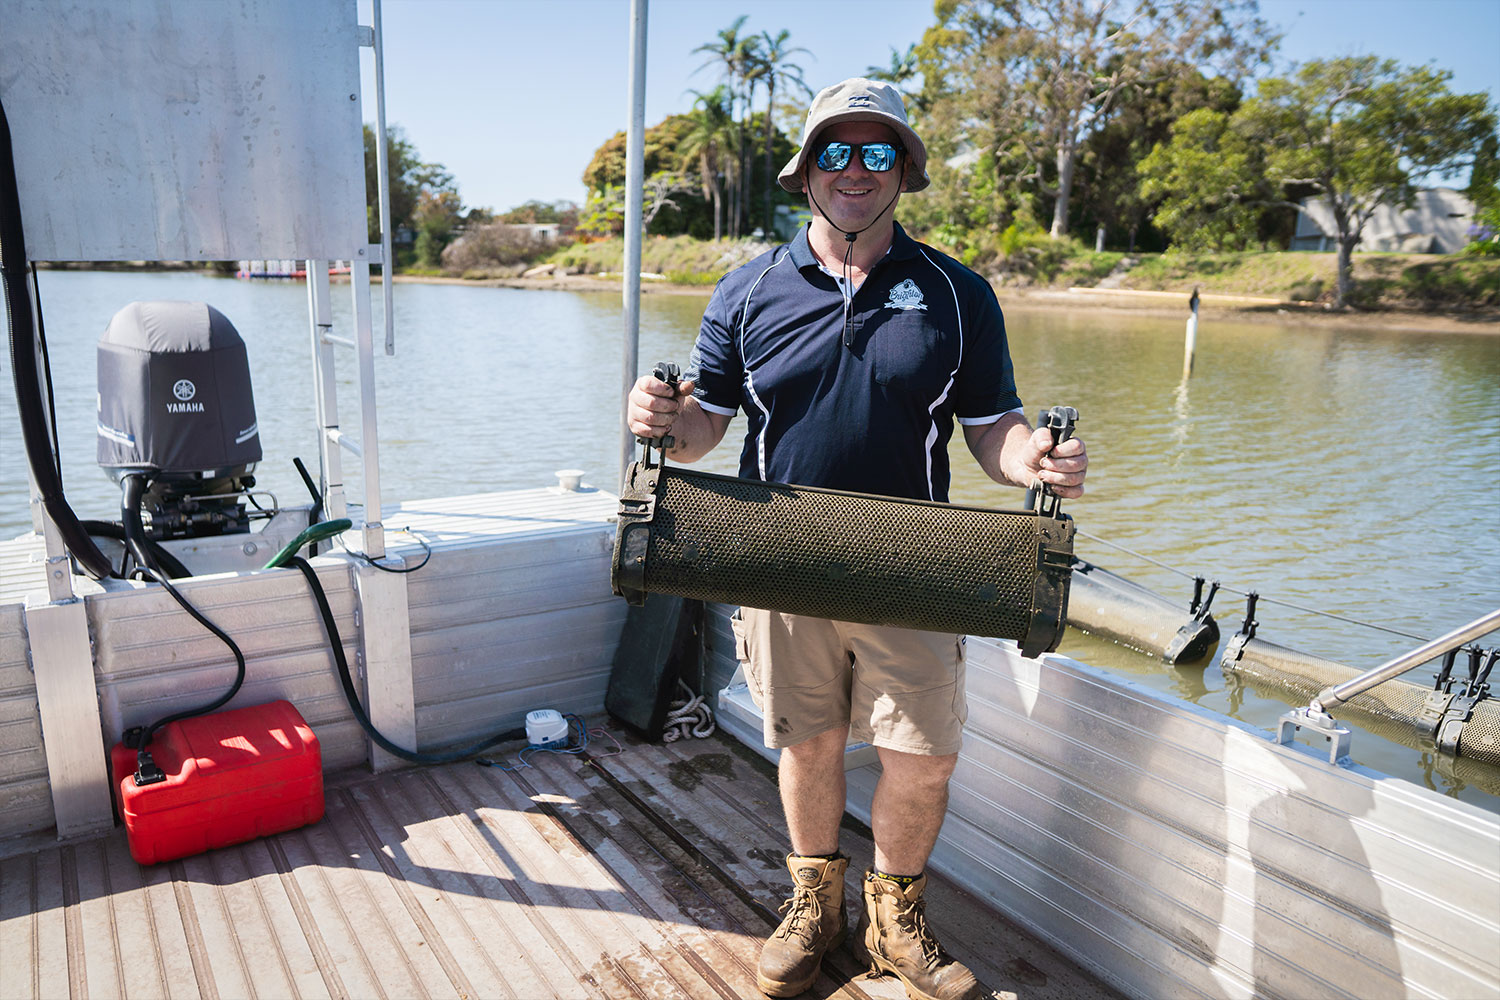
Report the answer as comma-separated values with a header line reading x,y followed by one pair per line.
x,y
1315,717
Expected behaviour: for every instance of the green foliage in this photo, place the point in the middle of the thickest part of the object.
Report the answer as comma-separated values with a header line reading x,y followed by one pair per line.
x,y
1443,282
682,259
424,196
1484,192
563,213
1484,234
1204,179
1033,80
1363,132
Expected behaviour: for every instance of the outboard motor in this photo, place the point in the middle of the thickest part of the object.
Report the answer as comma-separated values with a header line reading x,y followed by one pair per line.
x,y
176,413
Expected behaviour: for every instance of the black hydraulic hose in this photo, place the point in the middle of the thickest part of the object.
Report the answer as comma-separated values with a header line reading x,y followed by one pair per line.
x,y
25,371
134,485
315,513
165,560
352,694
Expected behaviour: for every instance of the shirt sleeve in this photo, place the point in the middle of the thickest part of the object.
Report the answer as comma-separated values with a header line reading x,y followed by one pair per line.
x,y
716,367
986,385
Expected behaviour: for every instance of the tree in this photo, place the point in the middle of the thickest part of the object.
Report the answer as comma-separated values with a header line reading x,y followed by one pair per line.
x,y
737,53
1106,186
402,166
774,67
1363,132
902,68
1205,177
711,141
1038,77
424,196
435,217
564,212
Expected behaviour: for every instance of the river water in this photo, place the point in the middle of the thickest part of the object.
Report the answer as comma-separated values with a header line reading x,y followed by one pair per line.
x,y
1348,471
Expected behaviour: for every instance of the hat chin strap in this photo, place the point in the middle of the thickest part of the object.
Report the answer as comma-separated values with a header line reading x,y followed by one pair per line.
x,y
849,238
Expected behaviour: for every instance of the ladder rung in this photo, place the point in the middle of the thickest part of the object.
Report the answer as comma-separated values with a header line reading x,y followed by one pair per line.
x,y
344,441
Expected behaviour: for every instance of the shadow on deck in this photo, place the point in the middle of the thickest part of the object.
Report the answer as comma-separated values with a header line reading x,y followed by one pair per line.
x,y
652,873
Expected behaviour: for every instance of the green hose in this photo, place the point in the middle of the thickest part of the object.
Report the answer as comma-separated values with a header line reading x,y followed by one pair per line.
x,y
312,533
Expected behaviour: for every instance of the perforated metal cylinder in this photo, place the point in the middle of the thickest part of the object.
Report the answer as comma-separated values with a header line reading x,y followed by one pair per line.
x,y
844,556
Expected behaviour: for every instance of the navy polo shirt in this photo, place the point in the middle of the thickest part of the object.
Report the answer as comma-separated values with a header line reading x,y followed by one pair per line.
x,y
866,402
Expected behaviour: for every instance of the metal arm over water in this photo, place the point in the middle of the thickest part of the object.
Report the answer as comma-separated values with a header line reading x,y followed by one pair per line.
x,y
1315,716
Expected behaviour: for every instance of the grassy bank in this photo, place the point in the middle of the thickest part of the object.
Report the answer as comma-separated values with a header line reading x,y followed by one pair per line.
x,y
1382,281
1444,283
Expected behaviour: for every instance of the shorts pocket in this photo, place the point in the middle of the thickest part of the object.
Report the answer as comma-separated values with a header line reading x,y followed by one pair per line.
x,y
960,669
741,646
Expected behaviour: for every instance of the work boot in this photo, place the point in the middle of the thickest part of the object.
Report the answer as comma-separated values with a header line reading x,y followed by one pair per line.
x,y
815,921
900,943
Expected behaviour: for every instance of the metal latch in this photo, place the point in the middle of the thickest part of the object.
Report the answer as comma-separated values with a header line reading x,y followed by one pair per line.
x,y
1320,724
1060,420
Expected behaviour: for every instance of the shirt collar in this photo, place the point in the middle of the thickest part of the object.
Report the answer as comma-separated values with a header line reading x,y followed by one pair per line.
x,y
903,247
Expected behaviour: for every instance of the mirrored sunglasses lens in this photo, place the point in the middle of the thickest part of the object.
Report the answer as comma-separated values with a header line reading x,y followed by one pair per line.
x,y
879,157
835,156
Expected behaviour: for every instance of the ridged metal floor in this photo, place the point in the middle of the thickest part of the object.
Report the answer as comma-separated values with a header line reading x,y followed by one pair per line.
x,y
655,873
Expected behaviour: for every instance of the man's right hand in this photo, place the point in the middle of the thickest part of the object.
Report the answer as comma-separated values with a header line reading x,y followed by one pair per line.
x,y
653,406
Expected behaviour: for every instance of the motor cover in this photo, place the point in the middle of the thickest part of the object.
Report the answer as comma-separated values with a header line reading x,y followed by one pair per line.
x,y
174,392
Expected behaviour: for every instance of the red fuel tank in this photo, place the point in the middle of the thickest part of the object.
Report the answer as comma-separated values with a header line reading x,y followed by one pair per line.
x,y
231,777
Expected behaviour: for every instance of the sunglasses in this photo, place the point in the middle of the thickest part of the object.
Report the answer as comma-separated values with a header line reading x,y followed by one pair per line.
x,y
878,157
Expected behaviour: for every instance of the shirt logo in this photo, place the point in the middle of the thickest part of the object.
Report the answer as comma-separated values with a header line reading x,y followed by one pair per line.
x,y
906,296
184,389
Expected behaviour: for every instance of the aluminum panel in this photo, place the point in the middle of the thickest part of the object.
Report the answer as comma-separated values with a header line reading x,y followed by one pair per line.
x,y
1185,853
153,130
153,659
509,625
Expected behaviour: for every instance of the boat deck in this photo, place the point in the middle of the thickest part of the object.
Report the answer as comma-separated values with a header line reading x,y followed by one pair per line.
x,y
651,872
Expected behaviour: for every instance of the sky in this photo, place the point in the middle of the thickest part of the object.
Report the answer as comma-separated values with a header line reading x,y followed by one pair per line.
x,y
514,96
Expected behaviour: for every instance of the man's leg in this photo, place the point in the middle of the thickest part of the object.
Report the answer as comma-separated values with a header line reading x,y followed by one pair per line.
x,y
811,775
909,685
911,799
799,674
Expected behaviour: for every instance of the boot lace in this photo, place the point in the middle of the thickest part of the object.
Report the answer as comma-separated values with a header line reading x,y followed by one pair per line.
x,y
803,912
911,917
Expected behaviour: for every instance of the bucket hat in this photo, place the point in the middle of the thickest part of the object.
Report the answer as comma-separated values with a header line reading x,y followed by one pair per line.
x,y
858,100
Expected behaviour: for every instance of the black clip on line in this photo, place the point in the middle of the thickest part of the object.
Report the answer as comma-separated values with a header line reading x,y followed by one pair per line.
x,y
1060,420
669,373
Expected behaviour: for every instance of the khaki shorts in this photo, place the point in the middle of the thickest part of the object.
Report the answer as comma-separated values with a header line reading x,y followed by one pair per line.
x,y
894,687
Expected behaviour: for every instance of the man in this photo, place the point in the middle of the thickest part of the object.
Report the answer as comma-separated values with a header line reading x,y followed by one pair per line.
x,y
852,350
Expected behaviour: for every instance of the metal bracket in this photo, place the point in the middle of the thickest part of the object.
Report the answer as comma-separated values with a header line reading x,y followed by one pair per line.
x,y
1451,726
1319,723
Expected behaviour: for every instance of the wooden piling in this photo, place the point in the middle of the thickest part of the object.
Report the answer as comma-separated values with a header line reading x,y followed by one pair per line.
x,y
1191,346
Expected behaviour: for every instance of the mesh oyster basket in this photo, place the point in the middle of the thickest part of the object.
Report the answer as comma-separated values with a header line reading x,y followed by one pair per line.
x,y
845,556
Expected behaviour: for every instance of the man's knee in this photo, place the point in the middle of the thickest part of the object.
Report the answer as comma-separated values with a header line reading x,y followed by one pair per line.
x,y
824,745
919,770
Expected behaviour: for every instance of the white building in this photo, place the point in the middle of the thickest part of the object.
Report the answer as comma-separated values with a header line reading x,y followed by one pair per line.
x,y
1437,223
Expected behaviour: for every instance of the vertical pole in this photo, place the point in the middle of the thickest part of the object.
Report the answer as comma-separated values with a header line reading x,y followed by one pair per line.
x,y
635,170
383,183
325,389
369,439
1192,337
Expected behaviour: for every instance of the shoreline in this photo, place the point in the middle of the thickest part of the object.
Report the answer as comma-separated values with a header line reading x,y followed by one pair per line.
x,y
1165,305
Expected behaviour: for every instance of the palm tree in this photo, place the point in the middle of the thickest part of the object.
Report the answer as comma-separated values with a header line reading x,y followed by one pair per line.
x,y
736,52
712,134
774,67
902,69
